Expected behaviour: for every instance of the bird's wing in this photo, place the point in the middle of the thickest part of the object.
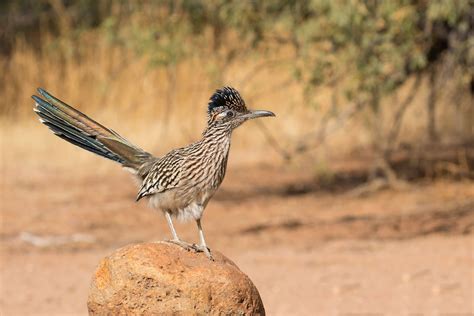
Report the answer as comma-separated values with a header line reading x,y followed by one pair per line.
x,y
165,174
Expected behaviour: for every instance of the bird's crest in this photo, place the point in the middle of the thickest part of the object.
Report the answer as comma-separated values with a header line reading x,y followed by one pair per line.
x,y
226,98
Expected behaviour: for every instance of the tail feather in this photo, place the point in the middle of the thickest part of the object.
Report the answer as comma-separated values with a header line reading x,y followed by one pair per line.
x,y
67,131
82,131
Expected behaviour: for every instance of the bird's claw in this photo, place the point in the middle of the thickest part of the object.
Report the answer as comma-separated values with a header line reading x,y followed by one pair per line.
x,y
192,247
205,249
185,245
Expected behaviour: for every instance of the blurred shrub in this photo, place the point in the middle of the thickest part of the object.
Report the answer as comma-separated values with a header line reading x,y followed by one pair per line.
x,y
363,50
377,43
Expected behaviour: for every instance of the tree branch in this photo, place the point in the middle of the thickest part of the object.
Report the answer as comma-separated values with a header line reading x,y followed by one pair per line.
x,y
320,135
398,118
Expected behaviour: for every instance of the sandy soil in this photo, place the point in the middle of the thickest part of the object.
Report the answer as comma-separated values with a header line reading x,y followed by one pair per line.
x,y
321,251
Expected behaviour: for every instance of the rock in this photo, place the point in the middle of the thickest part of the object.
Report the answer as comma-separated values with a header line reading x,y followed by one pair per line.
x,y
162,278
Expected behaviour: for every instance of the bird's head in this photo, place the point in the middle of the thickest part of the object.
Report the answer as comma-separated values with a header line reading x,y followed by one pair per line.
x,y
227,109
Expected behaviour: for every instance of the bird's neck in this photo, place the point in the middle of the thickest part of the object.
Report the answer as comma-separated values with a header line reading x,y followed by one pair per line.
x,y
215,146
218,132
217,138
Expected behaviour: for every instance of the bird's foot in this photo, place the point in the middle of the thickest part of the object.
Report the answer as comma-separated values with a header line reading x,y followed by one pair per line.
x,y
205,249
183,244
191,247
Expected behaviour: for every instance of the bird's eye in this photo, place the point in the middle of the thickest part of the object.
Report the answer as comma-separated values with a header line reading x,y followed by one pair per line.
x,y
230,114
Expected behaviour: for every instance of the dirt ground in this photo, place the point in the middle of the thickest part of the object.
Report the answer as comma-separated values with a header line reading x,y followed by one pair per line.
x,y
310,250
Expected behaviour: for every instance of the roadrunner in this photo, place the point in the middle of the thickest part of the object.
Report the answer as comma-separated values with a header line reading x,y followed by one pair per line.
x,y
180,183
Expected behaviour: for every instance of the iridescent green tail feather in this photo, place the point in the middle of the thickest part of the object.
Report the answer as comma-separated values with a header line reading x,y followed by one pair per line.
x,y
80,130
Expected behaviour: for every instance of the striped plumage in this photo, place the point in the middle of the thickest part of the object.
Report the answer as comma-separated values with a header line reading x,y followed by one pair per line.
x,y
182,182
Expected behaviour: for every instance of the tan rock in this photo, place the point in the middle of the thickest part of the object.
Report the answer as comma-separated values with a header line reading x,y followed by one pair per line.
x,y
164,279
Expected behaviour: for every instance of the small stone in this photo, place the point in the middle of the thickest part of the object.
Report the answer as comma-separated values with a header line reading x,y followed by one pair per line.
x,y
162,278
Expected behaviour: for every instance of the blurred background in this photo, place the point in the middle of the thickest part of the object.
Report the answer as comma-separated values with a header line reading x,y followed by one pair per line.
x,y
358,198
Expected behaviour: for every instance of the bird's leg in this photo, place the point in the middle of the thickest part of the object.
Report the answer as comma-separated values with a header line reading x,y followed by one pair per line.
x,y
176,239
202,242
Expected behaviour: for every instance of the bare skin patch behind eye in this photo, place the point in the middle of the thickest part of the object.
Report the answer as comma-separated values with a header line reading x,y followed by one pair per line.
x,y
214,116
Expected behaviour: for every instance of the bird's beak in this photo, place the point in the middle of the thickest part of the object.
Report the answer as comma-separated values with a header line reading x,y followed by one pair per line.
x,y
257,113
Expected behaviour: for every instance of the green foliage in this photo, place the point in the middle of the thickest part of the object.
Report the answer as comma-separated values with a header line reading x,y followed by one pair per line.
x,y
369,48
372,46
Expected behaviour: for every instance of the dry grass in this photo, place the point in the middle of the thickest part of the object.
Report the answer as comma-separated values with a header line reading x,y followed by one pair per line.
x,y
161,108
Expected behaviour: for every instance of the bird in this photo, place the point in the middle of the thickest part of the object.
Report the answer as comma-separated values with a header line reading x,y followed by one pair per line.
x,y
181,183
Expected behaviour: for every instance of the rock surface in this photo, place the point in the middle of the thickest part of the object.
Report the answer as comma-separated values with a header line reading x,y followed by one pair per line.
x,y
162,278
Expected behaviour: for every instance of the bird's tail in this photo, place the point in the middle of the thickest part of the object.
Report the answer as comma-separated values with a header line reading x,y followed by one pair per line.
x,y
80,130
